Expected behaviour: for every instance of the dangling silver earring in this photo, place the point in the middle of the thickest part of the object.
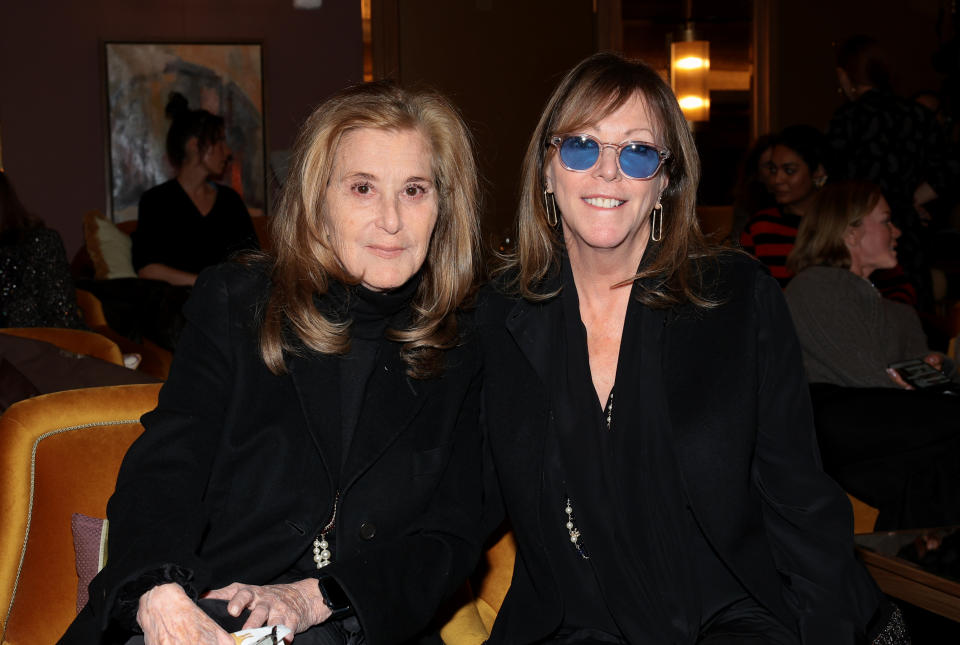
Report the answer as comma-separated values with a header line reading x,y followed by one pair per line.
x,y
656,223
550,204
818,182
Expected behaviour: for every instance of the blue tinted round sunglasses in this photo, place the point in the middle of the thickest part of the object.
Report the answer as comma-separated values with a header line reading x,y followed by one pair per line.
x,y
636,159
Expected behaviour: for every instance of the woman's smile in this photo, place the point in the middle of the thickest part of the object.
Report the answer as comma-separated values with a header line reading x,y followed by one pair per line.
x,y
604,202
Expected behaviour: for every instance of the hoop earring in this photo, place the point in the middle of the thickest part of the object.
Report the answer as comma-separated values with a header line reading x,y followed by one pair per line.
x,y
656,228
550,204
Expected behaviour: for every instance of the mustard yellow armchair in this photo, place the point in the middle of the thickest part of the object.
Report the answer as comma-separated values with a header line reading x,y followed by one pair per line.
x,y
59,455
477,607
864,516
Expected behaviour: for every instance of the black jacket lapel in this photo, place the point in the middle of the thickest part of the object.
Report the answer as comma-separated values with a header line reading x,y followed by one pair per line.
x,y
389,406
316,380
529,325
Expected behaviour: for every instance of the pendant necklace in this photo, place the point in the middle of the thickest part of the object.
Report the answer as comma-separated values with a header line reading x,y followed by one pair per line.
x,y
572,529
321,548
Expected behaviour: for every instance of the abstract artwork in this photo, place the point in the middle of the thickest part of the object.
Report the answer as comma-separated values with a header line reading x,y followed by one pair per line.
x,y
225,79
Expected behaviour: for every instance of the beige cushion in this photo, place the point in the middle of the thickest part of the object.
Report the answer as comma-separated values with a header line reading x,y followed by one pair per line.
x,y
108,247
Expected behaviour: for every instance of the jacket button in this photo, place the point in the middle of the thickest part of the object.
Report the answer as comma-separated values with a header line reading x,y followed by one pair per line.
x,y
368,530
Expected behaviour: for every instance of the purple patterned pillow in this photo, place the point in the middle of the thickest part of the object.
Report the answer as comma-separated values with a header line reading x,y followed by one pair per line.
x,y
90,548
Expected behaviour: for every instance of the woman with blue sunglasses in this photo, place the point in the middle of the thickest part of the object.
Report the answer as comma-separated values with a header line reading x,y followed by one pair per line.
x,y
647,419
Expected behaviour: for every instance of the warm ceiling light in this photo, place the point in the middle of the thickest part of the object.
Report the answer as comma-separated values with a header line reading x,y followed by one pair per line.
x,y
689,70
691,62
692,102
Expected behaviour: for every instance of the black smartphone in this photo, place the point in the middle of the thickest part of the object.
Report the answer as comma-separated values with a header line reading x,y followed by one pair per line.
x,y
922,375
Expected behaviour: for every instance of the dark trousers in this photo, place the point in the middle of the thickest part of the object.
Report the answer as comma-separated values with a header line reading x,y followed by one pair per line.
x,y
744,621
897,450
345,632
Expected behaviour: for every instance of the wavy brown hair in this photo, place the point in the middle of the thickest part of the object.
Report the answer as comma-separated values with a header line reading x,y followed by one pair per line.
x,y
833,210
304,261
592,90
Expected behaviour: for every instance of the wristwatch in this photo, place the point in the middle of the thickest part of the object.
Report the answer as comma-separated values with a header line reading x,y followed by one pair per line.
x,y
335,598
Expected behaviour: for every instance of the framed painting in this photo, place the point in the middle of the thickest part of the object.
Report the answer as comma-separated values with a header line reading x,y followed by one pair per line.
x,y
223,78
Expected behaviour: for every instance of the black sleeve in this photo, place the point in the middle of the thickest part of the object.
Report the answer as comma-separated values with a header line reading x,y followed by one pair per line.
x,y
157,516
807,517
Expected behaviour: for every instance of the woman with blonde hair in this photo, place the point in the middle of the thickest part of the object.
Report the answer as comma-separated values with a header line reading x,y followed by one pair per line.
x,y
646,413
896,449
314,457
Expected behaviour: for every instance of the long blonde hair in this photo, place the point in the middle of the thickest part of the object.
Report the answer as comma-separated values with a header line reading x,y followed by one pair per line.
x,y
593,89
304,261
833,210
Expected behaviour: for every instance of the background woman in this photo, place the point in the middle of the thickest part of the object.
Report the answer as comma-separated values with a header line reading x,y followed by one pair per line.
x,y
897,144
189,222
898,450
797,168
754,189
316,444
36,289
645,404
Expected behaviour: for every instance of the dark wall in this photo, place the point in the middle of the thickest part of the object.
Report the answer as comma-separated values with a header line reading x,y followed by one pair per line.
x,y
805,90
52,94
499,62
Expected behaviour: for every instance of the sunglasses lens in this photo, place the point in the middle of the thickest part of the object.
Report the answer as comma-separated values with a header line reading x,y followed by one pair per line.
x,y
639,161
579,153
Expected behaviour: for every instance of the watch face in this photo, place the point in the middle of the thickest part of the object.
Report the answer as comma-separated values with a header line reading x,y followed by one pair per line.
x,y
333,594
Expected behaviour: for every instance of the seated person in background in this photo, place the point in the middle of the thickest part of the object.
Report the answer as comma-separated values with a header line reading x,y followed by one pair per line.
x,y
896,449
754,189
36,289
797,168
189,223
315,454
895,143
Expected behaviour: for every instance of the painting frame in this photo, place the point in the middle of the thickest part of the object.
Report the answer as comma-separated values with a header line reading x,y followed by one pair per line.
x,y
223,77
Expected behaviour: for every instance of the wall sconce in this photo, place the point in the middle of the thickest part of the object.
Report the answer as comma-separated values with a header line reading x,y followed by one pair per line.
x,y
689,77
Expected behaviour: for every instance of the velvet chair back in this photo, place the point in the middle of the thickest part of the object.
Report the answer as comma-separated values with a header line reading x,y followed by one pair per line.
x,y
59,455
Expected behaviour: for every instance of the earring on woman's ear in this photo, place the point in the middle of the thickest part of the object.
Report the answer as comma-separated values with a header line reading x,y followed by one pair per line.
x,y
656,227
656,222
818,182
550,204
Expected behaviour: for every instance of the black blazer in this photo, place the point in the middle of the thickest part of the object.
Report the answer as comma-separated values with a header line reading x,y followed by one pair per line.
x,y
743,435
229,479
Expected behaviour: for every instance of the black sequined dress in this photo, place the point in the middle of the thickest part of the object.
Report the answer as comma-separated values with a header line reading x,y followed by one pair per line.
x,y
36,289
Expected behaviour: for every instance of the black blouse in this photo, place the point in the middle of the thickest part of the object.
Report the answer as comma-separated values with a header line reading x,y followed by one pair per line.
x,y
649,533
171,231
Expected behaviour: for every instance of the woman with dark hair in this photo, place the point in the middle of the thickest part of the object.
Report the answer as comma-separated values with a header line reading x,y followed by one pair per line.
x,y
647,419
754,189
896,449
36,289
314,459
190,222
797,168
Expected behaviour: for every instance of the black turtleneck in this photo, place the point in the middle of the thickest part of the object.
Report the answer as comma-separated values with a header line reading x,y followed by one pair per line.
x,y
370,314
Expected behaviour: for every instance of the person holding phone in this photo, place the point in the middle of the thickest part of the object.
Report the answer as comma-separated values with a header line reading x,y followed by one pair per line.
x,y
314,458
888,442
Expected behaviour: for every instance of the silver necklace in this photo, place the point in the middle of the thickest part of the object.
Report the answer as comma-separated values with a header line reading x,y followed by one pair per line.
x,y
572,529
